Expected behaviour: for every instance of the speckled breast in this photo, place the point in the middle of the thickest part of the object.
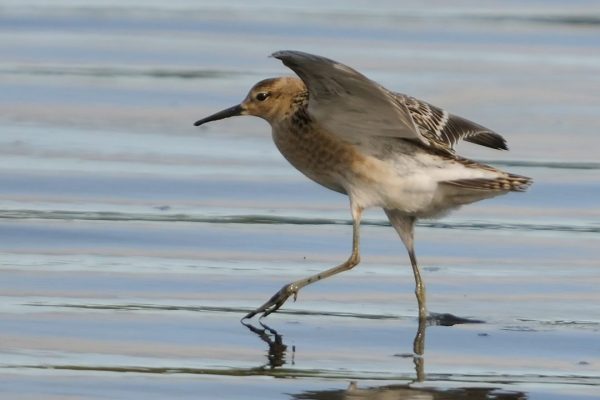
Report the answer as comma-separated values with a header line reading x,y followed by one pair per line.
x,y
317,154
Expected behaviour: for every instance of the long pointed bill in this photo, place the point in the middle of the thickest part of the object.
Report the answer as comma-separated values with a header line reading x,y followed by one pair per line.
x,y
229,112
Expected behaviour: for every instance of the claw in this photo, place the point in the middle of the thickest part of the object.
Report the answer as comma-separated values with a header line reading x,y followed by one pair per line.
x,y
274,303
249,315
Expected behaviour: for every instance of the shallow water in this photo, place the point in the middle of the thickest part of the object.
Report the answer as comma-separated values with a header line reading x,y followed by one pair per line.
x,y
132,243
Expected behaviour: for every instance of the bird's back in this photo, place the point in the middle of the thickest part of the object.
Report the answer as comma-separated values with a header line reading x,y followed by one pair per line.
x,y
382,148
387,172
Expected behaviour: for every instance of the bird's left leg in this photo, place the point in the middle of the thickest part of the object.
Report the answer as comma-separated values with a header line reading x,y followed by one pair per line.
x,y
404,225
275,302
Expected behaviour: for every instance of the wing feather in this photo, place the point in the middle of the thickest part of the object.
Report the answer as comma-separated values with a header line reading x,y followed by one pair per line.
x,y
438,125
348,103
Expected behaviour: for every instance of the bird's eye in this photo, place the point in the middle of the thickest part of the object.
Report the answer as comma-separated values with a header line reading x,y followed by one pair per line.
x,y
262,96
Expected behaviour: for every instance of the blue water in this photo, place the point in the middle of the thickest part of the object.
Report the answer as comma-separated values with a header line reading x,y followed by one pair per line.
x,y
131,242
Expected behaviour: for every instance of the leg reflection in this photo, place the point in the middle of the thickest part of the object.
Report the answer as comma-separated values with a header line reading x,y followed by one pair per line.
x,y
419,341
419,350
277,349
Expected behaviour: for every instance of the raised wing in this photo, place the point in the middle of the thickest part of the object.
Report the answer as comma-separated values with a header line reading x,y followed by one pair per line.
x,y
348,103
351,105
438,125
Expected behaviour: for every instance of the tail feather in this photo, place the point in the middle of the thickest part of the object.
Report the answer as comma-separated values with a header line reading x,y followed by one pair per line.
x,y
488,139
506,183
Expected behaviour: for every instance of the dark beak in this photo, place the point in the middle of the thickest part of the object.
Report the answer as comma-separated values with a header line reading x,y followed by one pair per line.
x,y
229,112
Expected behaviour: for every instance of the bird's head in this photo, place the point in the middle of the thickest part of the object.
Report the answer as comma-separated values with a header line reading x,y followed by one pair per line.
x,y
270,99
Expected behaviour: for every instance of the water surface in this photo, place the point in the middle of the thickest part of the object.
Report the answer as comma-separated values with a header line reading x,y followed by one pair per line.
x,y
132,243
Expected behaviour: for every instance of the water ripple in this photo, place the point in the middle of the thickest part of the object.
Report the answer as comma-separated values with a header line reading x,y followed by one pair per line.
x,y
319,373
545,164
283,220
155,307
115,72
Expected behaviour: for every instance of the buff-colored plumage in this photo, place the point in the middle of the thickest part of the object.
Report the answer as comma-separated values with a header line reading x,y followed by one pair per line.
x,y
382,149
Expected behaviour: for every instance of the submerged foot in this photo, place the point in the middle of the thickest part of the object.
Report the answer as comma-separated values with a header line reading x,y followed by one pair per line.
x,y
447,319
275,302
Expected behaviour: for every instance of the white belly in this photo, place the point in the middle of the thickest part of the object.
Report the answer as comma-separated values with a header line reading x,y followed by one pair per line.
x,y
380,172
410,181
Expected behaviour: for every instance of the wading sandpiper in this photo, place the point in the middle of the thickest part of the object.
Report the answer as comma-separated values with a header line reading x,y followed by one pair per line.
x,y
381,148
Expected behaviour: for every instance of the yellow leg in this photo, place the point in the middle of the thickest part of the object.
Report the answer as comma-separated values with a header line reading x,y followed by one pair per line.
x,y
404,225
279,298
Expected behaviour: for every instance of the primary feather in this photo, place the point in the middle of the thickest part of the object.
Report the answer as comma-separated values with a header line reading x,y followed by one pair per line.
x,y
350,105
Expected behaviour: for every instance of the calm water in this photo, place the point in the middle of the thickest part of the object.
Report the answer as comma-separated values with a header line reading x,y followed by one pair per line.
x,y
131,242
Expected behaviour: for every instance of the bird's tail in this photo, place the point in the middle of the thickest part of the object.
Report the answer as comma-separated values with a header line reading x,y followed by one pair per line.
x,y
504,183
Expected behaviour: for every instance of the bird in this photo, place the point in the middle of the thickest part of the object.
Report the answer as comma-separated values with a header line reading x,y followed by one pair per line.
x,y
380,148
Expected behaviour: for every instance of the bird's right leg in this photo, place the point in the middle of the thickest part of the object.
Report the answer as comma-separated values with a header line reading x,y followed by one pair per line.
x,y
275,302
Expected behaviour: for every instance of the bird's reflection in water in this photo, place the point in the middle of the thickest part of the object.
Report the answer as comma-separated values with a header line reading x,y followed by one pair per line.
x,y
276,353
419,340
404,392
419,351
277,357
277,349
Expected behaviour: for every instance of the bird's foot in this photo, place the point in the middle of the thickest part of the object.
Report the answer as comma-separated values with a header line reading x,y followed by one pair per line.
x,y
275,302
446,319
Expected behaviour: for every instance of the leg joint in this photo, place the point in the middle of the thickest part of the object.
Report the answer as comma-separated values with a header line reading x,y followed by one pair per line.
x,y
354,260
